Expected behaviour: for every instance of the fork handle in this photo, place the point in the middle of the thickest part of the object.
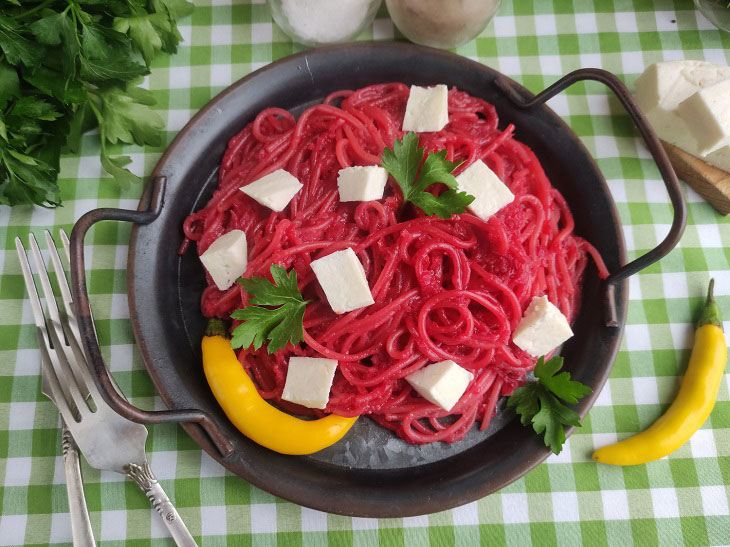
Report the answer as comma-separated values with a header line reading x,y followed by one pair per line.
x,y
144,478
81,531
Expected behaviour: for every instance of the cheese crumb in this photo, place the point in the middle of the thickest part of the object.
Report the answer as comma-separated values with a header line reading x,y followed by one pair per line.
x,y
308,381
427,109
226,258
343,281
490,193
441,383
361,183
274,190
542,329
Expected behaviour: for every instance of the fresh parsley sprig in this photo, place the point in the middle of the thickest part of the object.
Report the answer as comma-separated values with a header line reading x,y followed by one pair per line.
x,y
67,66
403,161
540,403
280,322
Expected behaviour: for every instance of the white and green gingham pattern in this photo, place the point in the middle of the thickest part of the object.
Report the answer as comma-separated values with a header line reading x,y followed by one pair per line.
x,y
679,500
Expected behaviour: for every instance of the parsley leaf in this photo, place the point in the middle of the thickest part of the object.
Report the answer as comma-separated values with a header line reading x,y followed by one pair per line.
x,y
59,30
51,30
550,420
115,167
9,84
525,401
30,180
127,116
561,385
143,31
83,120
122,115
17,48
403,161
280,325
540,403
34,108
108,56
173,8
156,31
53,83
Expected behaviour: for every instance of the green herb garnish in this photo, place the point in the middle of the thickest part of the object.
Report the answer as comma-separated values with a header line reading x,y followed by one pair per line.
x,y
540,403
403,161
67,66
280,322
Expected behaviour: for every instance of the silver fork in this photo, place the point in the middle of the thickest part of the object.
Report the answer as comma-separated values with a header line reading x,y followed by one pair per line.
x,y
81,531
106,439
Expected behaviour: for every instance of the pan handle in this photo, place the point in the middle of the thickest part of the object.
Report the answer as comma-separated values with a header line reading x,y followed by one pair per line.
x,y
657,152
86,323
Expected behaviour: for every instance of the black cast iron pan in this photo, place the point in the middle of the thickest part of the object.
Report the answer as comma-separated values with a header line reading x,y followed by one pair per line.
x,y
370,473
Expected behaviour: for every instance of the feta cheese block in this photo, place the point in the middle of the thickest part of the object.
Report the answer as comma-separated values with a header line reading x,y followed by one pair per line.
x,y
490,193
274,190
361,183
343,281
441,383
226,258
542,329
427,109
707,114
660,90
308,381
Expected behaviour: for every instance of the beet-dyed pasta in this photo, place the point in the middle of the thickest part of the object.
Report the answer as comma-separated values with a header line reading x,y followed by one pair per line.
x,y
443,289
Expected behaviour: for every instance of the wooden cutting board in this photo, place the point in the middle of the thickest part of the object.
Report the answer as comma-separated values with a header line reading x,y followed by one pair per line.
x,y
711,183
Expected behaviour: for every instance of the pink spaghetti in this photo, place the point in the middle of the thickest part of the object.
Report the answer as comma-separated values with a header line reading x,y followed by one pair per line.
x,y
443,289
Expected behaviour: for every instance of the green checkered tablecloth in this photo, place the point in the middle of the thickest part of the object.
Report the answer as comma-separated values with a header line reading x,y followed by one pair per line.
x,y
569,500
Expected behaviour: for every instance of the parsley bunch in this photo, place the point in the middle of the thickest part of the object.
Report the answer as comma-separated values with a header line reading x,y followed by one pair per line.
x,y
67,66
540,403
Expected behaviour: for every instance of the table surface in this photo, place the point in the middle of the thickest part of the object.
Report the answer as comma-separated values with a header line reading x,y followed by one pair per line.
x,y
569,500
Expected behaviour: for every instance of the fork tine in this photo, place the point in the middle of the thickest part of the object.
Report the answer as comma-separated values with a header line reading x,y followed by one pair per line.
x,y
81,372
48,363
66,247
65,373
42,272
66,244
60,275
35,303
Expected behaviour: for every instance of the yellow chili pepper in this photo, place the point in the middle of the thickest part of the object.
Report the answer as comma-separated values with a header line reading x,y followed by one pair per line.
x,y
693,403
251,414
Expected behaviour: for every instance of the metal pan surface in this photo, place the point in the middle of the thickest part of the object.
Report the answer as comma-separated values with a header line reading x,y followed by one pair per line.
x,y
371,473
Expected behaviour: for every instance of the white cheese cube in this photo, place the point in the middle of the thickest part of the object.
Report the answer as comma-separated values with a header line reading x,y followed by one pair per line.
x,y
427,109
274,190
660,90
442,383
707,114
668,83
226,258
308,381
361,183
490,193
542,329
343,281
